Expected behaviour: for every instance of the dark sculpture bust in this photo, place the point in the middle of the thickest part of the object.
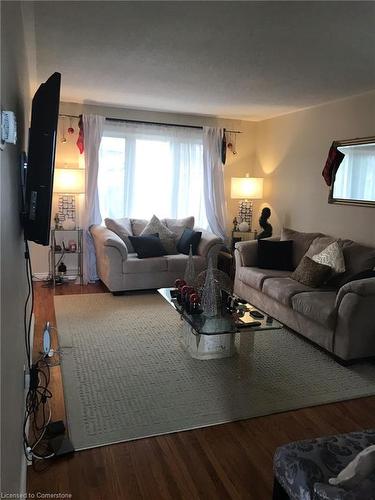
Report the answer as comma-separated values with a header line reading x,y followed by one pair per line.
x,y
266,226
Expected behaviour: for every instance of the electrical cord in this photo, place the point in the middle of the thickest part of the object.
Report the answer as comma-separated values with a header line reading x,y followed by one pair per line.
x,y
29,294
37,406
38,395
61,258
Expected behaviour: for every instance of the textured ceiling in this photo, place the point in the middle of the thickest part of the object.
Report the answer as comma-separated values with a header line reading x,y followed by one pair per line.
x,y
248,60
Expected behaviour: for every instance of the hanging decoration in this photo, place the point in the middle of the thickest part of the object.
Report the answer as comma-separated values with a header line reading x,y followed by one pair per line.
x,y
332,164
63,138
70,129
80,140
224,148
232,143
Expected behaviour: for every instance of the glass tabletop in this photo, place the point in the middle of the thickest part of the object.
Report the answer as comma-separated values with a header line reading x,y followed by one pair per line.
x,y
224,323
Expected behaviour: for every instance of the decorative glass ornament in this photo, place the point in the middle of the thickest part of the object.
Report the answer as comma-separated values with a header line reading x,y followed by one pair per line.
x,y
190,276
210,290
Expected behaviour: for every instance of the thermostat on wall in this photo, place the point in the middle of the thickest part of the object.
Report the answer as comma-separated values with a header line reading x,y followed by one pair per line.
x,y
8,127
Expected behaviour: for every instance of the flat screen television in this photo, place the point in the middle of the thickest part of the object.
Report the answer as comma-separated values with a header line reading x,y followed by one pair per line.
x,y
41,160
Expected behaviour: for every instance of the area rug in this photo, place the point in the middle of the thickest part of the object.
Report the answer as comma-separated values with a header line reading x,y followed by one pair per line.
x,y
126,375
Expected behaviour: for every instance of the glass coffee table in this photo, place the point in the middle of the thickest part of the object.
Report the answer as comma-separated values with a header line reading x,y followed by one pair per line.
x,y
212,338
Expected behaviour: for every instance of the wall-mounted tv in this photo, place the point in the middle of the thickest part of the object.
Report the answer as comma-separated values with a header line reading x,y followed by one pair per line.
x,y
41,160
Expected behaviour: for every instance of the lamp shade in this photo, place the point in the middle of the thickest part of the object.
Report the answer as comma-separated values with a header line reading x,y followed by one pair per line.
x,y
69,180
246,188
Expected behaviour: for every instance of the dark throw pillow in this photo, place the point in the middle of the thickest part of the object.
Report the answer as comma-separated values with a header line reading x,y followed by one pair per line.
x,y
275,255
311,273
189,237
367,273
148,246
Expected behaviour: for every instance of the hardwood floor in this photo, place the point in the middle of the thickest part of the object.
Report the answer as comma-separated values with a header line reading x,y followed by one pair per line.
x,y
230,461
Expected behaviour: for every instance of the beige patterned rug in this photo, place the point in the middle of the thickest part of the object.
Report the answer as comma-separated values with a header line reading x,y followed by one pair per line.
x,y
126,375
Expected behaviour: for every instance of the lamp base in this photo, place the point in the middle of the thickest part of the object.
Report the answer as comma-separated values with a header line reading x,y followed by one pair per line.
x,y
66,205
245,213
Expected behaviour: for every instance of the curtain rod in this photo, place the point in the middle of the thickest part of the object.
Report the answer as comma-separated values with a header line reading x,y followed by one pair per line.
x,y
152,123
357,140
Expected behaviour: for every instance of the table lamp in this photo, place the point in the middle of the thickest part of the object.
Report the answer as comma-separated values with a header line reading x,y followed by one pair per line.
x,y
246,189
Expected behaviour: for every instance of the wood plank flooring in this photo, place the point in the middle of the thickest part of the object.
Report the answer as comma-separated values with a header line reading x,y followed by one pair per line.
x,y
230,461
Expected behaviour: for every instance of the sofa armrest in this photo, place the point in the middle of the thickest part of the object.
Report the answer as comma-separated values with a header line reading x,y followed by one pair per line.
x,y
209,244
355,327
363,288
104,237
245,253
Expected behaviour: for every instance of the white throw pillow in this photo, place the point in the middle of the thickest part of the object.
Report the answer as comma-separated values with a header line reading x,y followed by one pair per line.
x,y
122,228
331,256
357,470
167,237
177,226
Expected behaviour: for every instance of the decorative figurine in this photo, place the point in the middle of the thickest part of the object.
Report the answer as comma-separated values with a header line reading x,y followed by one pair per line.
x,y
57,221
72,246
266,226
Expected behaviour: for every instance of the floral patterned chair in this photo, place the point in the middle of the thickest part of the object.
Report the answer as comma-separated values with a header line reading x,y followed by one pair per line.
x,y
302,468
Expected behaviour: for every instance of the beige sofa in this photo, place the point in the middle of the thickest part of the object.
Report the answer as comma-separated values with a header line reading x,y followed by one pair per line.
x,y
122,271
339,318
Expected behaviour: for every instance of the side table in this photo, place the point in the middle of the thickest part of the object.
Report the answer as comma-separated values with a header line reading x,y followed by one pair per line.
x,y
242,236
59,236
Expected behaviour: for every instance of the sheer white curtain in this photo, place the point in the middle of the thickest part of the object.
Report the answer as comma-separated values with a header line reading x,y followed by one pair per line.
x,y
151,169
355,178
214,195
93,131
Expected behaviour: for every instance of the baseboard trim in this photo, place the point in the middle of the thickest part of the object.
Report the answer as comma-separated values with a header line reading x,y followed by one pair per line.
x,y
23,479
40,276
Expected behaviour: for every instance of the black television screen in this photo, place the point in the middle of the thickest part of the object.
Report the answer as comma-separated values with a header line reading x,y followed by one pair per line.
x,y
41,160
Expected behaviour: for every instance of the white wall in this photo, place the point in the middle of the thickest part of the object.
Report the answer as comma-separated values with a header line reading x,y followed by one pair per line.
x,y
291,152
14,96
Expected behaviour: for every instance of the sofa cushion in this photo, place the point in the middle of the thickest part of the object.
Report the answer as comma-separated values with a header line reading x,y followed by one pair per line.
x,y
275,255
254,276
177,226
283,289
151,265
167,237
138,226
311,273
301,242
357,258
318,306
319,244
177,263
123,229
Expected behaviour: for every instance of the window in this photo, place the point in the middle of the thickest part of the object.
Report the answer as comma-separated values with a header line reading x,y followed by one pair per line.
x,y
151,169
354,181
